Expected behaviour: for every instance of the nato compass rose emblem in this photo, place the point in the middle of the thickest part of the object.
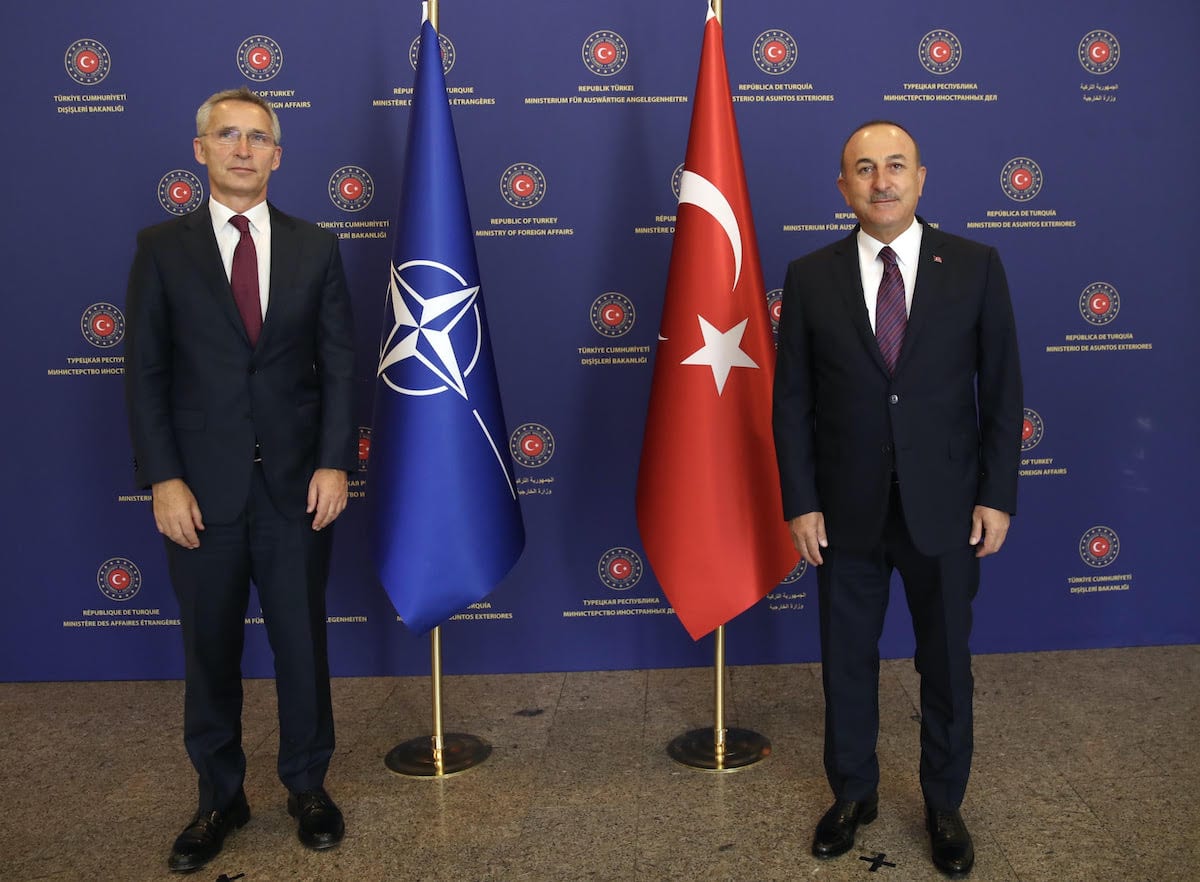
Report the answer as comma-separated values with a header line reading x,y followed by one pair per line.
x,y
436,336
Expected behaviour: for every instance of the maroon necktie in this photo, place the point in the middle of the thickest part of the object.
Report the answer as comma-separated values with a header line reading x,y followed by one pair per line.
x,y
243,278
890,319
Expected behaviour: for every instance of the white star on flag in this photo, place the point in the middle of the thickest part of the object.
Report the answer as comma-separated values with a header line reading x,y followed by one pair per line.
x,y
722,351
430,308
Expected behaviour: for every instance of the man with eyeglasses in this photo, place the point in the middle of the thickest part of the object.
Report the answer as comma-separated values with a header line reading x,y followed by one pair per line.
x,y
239,385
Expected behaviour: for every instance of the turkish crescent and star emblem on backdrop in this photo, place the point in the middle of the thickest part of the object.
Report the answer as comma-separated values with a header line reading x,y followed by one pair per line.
x,y
119,578
775,52
1099,52
351,188
940,51
605,53
180,192
259,58
103,325
445,47
87,61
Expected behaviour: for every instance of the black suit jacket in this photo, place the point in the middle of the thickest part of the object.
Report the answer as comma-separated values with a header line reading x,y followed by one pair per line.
x,y
200,397
948,423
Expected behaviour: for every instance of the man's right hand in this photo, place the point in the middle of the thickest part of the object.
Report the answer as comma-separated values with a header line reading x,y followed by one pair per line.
x,y
176,513
808,535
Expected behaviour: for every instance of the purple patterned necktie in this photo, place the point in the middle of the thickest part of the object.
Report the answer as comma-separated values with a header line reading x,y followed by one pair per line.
x,y
890,318
243,279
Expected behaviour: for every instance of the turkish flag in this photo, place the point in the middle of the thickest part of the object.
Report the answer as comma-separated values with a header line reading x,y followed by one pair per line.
x,y
708,499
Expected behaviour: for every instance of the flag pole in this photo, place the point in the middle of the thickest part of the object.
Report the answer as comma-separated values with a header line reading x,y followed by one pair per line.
x,y
441,754
438,755
719,749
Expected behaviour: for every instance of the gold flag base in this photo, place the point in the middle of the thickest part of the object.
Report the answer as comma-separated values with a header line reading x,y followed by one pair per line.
x,y
719,749
698,749
419,758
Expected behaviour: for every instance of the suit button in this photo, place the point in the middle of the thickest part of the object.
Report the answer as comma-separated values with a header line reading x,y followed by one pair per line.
x,y
253,370
893,399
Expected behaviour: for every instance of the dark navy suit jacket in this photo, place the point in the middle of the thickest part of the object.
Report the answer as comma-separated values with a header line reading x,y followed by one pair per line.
x,y
200,397
948,424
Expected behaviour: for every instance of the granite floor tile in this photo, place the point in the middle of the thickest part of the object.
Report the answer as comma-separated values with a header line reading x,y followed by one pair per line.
x,y
777,688
503,695
687,693
1045,829
1084,769
578,843
357,698
593,758
1156,819
593,690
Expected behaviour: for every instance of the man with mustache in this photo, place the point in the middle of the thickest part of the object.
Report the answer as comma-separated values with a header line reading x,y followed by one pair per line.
x,y
897,423
239,384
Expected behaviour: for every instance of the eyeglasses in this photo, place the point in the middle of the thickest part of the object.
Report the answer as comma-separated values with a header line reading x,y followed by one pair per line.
x,y
233,137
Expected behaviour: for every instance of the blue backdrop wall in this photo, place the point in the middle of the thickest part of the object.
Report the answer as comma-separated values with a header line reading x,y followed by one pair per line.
x,y
1061,133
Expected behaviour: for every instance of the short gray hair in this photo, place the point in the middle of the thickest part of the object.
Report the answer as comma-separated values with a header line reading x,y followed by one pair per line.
x,y
242,94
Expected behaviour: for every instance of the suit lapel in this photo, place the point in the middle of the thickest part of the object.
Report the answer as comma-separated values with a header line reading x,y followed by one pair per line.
x,y
200,243
285,257
848,281
928,291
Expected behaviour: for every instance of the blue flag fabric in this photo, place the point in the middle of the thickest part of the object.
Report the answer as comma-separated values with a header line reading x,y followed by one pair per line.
x,y
446,521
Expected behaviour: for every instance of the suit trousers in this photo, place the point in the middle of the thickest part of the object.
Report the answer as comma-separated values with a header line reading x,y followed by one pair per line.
x,y
853,590
289,564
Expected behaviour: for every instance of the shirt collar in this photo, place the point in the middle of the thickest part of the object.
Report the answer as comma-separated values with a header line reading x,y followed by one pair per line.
x,y
907,245
259,215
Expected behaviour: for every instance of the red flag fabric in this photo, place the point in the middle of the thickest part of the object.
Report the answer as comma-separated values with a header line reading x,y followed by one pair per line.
x,y
708,499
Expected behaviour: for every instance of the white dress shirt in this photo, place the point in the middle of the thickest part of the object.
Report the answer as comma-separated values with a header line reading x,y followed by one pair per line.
x,y
228,238
908,250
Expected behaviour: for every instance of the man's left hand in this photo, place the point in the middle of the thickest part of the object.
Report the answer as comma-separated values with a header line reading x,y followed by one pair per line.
x,y
327,494
989,526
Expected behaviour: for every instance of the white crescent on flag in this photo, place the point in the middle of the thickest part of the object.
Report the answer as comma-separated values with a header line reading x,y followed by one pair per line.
x,y
703,193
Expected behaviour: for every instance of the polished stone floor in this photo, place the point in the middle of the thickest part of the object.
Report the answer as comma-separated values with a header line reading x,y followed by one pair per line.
x,y
1087,767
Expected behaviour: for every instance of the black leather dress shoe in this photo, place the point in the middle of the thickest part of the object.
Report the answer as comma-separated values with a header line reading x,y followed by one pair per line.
x,y
950,842
202,839
321,824
835,831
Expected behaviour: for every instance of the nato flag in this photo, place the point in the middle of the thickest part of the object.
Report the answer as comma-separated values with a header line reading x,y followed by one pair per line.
x,y
445,518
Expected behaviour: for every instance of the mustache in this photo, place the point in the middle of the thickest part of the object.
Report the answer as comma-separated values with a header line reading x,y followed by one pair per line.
x,y
883,197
